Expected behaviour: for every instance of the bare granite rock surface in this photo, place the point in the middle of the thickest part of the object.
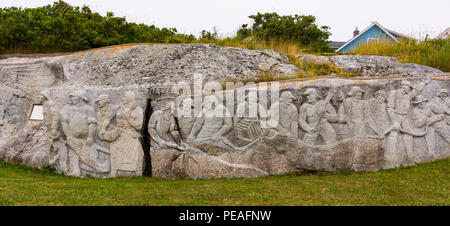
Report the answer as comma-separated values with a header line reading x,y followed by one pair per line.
x,y
31,148
161,65
368,65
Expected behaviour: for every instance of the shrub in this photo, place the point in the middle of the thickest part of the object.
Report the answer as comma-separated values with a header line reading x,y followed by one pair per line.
x,y
299,29
62,27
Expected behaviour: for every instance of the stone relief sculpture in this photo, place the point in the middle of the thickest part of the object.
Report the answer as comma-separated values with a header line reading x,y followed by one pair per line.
x,y
127,155
440,107
165,132
368,129
186,117
285,114
101,138
58,156
79,124
421,120
378,107
249,116
315,116
163,128
358,114
399,104
105,114
215,121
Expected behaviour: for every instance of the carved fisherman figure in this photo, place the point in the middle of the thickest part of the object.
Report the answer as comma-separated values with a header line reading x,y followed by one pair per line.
x,y
249,116
378,107
127,155
358,114
58,156
440,107
399,103
421,120
105,114
186,117
79,125
284,116
213,123
163,128
314,118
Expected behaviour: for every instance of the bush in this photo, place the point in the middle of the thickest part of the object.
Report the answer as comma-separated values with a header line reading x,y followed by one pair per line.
x,y
62,27
299,29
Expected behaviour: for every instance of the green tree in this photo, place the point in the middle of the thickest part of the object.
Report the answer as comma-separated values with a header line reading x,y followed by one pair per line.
x,y
297,28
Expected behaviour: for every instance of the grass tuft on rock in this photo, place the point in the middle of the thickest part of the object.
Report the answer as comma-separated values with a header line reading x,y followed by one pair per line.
x,y
433,53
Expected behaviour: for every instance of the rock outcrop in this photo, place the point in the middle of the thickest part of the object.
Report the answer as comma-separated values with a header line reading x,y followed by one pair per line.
x,y
134,110
31,148
367,65
162,65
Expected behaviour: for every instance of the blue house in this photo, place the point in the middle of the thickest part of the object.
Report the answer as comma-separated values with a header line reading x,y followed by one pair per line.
x,y
374,33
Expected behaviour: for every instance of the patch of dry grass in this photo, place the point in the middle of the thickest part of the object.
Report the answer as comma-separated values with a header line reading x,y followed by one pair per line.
x,y
433,53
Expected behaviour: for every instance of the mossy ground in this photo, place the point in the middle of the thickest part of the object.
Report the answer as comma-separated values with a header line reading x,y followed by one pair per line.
x,y
424,184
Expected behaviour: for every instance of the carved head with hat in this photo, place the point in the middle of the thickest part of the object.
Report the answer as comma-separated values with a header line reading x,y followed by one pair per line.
x,y
406,86
102,100
380,95
287,97
356,92
78,95
419,101
311,95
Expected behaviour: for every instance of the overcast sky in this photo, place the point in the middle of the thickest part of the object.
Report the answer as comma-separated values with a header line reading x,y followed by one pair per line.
x,y
410,17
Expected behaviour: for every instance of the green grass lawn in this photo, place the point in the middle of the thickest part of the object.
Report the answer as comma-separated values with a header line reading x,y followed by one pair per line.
x,y
425,184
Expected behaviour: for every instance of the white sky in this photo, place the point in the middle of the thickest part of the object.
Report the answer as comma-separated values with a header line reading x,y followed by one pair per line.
x,y
410,17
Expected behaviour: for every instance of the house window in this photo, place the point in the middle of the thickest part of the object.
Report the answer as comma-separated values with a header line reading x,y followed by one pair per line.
x,y
36,113
372,40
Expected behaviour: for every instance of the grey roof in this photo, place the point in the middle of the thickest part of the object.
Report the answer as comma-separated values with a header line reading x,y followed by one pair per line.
x,y
336,45
398,34
444,34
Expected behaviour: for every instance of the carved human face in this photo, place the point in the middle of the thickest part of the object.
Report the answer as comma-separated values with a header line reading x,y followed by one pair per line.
x,y
358,95
311,98
381,98
340,96
422,105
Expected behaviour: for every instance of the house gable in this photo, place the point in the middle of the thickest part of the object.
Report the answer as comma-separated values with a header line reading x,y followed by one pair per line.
x,y
375,31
